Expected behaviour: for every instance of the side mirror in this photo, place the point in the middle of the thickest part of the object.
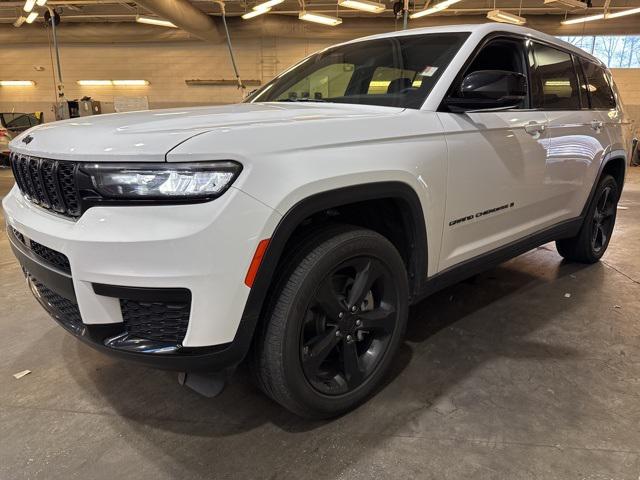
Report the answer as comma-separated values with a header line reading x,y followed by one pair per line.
x,y
489,89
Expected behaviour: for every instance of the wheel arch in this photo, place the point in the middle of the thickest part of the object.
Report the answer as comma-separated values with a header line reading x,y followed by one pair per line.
x,y
616,165
413,218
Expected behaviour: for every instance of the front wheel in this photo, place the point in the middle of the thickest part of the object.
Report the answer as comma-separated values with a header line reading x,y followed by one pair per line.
x,y
337,320
594,236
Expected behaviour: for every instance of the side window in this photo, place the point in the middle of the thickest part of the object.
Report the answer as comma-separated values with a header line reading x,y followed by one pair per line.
x,y
327,82
597,85
501,54
554,80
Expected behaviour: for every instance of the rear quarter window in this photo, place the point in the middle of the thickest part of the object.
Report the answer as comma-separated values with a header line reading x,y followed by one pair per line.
x,y
597,86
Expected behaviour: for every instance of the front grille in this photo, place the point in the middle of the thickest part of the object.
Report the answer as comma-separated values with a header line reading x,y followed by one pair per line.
x,y
48,183
159,321
47,255
62,309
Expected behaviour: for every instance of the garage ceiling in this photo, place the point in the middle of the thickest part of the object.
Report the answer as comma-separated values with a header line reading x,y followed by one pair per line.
x,y
123,11
114,21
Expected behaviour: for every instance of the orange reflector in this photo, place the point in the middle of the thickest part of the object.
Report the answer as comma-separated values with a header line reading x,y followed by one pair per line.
x,y
255,263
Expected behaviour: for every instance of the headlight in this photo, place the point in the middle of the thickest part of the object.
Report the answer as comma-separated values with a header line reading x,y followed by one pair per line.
x,y
149,181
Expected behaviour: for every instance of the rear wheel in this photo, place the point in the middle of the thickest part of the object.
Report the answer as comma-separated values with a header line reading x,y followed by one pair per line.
x,y
594,236
338,318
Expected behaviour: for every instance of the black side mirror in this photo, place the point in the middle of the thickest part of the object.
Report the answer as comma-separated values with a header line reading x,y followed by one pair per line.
x,y
489,89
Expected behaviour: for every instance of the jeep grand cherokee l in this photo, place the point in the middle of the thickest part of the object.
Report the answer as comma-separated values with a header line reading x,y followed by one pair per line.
x,y
296,228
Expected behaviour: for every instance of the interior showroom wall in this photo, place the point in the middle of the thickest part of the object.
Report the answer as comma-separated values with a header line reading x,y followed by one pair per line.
x,y
168,66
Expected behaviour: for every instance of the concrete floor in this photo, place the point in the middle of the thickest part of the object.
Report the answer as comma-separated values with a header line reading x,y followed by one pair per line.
x,y
502,377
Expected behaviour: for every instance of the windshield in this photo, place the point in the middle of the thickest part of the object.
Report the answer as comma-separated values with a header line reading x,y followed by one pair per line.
x,y
393,72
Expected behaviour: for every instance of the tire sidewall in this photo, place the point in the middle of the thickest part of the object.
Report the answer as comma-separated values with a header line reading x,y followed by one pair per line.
x,y
343,248
607,181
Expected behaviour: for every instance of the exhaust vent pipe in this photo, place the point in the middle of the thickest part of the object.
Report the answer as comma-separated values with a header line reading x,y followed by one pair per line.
x,y
185,15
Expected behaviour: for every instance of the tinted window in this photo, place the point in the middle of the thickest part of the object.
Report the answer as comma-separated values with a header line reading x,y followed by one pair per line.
x,y
17,121
395,72
597,85
502,54
326,82
554,83
384,78
34,120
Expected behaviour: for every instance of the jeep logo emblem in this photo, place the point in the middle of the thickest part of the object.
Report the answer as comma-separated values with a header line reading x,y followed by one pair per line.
x,y
27,139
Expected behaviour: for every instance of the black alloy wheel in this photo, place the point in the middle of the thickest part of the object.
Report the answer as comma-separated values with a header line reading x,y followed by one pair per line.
x,y
594,236
335,321
348,326
603,219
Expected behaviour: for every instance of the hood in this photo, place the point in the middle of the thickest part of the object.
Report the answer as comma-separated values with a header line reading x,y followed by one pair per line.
x,y
148,136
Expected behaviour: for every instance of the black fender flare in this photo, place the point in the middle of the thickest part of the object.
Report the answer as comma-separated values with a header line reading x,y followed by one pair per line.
x,y
317,203
596,181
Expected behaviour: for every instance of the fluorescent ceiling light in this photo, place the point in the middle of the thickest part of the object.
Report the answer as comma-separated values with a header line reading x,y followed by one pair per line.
x,y
364,5
94,83
268,5
17,83
28,5
568,3
19,21
255,13
130,83
506,17
623,13
438,7
319,18
589,18
116,83
155,21
31,17
41,3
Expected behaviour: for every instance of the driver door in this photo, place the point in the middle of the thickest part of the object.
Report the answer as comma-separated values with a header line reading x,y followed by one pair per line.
x,y
496,166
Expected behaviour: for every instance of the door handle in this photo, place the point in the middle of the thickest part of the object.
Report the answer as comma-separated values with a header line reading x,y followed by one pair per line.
x,y
535,128
597,125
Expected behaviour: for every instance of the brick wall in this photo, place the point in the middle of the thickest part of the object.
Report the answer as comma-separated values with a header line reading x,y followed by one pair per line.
x,y
628,82
166,66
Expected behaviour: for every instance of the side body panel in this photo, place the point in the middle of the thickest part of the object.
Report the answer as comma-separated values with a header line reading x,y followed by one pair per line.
x,y
577,148
497,183
282,169
619,127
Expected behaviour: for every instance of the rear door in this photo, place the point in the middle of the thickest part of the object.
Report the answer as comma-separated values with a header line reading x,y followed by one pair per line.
x,y
496,166
598,87
577,139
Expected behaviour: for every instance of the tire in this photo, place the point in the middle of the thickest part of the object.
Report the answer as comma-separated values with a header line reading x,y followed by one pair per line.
x,y
594,235
343,293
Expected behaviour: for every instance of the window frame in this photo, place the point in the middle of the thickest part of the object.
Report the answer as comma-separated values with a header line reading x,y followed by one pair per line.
x,y
528,45
457,81
397,52
582,79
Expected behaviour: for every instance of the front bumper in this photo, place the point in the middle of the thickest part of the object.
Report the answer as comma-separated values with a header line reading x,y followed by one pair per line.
x,y
147,254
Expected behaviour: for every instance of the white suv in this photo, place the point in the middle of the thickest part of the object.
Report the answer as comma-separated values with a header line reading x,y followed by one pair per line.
x,y
297,228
